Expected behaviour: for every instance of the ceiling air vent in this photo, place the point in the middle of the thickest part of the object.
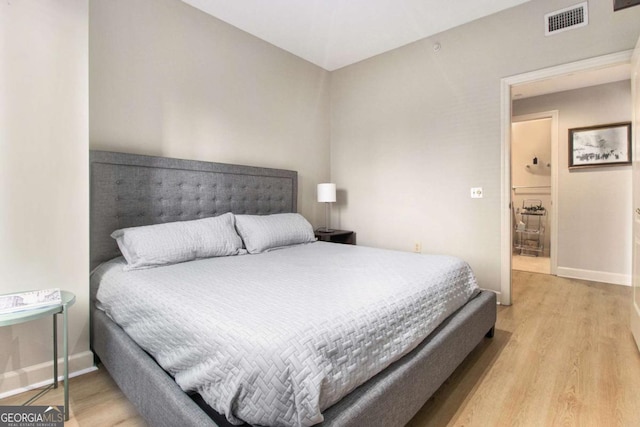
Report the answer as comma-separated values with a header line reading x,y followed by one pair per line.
x,y
569,18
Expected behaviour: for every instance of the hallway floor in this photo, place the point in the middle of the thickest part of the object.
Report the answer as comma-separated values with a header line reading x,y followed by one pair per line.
x,y
531,264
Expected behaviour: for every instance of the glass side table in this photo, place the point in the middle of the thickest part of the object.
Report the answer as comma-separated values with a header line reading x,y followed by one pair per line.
x,y
68,299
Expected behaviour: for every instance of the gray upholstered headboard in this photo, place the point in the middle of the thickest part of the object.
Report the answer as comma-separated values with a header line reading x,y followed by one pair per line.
x,y
129,190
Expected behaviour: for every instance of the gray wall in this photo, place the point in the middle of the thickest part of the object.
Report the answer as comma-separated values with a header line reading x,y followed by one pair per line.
x,y
168,80
594,205
413,129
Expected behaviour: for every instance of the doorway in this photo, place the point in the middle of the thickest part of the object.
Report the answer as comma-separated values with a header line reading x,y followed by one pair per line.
x,y
507,84
534,145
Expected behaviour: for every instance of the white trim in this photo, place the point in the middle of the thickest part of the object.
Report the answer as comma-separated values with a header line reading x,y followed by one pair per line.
x,y
505,123
553,237
506,233
635,266
595,276
40,375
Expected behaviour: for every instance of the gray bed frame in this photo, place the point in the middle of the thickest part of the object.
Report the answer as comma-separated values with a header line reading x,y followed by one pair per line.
x,y
130,190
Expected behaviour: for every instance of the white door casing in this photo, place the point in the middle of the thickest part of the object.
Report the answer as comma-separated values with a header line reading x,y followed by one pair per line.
x,y
635,93
505,121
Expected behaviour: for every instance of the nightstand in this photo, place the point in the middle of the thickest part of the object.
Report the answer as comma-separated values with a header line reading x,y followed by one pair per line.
x,y
27,315
337,236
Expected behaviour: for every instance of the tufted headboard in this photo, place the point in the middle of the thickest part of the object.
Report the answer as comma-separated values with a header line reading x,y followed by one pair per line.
x,y
131,190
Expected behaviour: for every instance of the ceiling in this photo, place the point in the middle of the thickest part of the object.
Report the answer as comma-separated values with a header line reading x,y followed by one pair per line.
x,y
335,33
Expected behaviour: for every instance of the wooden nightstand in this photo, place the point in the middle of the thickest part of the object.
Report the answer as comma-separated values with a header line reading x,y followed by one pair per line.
x,y
337,236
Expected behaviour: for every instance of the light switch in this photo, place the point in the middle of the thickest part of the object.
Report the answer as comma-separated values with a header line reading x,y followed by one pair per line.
x,y
476,192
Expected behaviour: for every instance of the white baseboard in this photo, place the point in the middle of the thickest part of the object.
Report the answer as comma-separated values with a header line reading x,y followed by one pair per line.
x,y
595,276
40,375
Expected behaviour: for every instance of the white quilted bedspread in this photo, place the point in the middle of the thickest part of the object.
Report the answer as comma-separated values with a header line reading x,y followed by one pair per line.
x,y
276,338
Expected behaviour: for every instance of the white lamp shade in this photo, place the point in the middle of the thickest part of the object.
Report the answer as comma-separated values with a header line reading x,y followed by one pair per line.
x,y
326,192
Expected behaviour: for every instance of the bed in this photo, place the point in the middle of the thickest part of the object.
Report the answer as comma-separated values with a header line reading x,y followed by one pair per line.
x,y
132,190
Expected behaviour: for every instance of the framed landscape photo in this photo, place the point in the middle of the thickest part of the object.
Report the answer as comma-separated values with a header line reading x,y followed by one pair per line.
x,y
603,145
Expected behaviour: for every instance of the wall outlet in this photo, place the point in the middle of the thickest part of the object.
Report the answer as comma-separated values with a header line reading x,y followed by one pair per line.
x,y
417,247
476,192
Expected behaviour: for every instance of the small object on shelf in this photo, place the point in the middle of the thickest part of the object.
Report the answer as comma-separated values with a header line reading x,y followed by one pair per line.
x,y
538,163
336,236
21,301
533,209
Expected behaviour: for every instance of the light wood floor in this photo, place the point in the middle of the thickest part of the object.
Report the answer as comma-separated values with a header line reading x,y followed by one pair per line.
x,y
531,264
562,355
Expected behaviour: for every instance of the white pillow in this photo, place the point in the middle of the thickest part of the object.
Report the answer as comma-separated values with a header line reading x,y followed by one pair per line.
x,y
173,242
263,232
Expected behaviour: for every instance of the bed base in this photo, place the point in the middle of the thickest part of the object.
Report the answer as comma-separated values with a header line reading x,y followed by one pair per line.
x,y
131,190
391,398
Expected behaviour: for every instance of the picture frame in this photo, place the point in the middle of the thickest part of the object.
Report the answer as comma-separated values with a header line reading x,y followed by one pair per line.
x,y
602,145
623,4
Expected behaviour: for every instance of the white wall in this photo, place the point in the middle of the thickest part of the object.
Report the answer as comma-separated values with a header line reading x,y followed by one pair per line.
x,y
43,176
413,129
594,204
168,80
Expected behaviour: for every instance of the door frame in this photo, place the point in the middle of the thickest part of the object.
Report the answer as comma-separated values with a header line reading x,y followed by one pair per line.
x,y
635,274
506,84
553,218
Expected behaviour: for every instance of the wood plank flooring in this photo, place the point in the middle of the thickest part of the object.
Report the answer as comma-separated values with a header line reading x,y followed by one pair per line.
x,y
562,355
531,264
95,401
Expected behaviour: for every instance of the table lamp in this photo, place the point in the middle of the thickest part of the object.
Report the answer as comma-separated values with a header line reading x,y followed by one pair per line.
x,y
327,195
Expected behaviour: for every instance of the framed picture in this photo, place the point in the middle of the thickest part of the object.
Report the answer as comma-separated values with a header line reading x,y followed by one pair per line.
x,y
604,145
623,4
